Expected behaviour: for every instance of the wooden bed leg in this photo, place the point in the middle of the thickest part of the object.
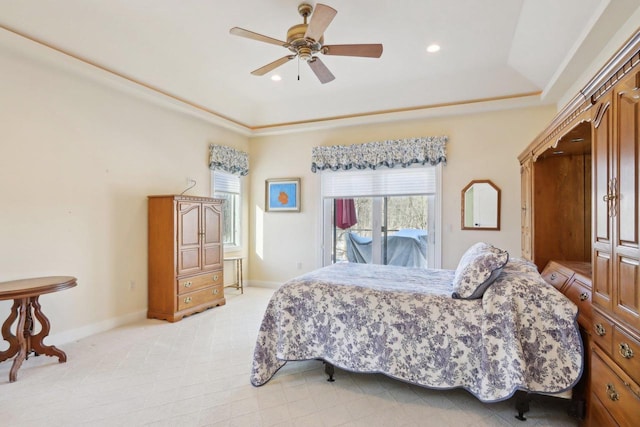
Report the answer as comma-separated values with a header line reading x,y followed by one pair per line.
x,y
329,370
578,408
522,404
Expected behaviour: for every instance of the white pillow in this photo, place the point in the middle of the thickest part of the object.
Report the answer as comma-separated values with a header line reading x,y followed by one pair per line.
x,y
480,265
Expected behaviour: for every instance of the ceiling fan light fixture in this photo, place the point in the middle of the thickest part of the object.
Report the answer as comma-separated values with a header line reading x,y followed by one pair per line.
x,y
433,48
305,53
276,77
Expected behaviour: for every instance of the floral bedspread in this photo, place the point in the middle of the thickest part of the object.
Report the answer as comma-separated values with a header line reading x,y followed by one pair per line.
x,y
402,322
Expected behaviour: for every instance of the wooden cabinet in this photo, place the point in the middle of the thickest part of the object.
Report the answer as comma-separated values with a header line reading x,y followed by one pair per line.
x,y
614,393
573,279
616,251
185,256
607,111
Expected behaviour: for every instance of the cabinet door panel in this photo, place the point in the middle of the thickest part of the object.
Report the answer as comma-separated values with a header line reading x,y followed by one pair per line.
x,y
212,223
601,278
189,251
601,155
601,175
627,159
627,304
212,244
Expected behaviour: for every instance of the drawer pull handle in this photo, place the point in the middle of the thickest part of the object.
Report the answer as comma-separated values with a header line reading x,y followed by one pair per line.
x,y
215,277
187,284
625,350
187,300
215,291
612,393
553,276
584,296
600,330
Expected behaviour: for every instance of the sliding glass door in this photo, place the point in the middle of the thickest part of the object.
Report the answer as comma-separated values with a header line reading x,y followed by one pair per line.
x,y
382,227
383,230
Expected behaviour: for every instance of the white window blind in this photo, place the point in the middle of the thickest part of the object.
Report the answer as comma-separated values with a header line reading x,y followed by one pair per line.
x,y
379,182
225,182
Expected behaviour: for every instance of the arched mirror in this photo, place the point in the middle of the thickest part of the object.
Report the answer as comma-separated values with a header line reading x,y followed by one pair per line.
x,y
481,206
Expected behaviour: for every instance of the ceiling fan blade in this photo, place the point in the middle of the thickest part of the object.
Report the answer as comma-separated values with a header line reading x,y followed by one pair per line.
x,y
320,20
236,31
321,71
366,50
273,65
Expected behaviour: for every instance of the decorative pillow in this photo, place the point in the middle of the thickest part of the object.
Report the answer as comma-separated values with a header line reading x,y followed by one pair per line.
x,y
480,265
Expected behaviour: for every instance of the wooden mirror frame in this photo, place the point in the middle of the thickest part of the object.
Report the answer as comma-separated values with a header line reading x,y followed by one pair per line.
x,y
463,207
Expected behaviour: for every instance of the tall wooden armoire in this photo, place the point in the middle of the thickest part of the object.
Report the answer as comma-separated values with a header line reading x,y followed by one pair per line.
x,y
578,211
185,256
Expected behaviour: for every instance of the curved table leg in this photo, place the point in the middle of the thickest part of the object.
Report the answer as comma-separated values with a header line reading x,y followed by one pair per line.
x,y
8,335
22,342
36,340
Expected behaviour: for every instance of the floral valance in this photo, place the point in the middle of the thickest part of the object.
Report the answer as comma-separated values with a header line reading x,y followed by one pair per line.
x,y
228,159
396,152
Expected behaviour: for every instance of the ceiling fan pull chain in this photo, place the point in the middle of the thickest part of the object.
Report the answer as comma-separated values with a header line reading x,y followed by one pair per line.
x,y
299,67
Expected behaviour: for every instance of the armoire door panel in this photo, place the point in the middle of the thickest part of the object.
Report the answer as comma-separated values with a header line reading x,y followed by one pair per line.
x,y
627,303
212,257
602,279
601,154
188,248
627,162
189,260
211,224
212,244
189,224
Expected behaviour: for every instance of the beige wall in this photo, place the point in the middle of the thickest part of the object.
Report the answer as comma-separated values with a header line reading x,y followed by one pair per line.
x,y
78,159
481,146
80,151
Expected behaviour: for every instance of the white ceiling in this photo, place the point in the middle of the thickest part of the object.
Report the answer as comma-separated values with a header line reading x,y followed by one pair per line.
x,y
491,49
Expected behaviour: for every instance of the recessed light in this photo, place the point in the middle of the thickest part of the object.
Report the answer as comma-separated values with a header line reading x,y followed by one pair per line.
x,y
433,48
276,78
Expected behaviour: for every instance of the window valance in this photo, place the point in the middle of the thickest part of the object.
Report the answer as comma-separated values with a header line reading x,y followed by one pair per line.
x,y
228,159
396,152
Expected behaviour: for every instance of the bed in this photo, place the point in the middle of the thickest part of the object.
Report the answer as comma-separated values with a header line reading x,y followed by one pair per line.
x,y
412,324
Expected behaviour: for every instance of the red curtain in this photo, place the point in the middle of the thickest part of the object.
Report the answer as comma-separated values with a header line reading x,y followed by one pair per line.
x,y
345,213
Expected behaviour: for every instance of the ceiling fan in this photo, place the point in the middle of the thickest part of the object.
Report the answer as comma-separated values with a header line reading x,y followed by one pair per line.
x,y
305,41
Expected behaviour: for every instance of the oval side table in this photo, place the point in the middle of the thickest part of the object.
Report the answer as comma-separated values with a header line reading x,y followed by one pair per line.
x,y
27,309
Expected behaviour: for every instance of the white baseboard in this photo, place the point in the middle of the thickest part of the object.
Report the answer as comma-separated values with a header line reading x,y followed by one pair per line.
x,y
94,328
71,335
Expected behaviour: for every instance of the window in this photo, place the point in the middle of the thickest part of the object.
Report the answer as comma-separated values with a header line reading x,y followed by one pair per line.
x,y
227,186
392,216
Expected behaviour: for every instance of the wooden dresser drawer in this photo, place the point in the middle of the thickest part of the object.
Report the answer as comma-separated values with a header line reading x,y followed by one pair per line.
x,y
619,395
598,414
194,283
578,290
626,353
602,332
556,275
202,296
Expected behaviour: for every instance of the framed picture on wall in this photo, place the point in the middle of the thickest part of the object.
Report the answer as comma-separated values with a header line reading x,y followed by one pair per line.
x,y
282,195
